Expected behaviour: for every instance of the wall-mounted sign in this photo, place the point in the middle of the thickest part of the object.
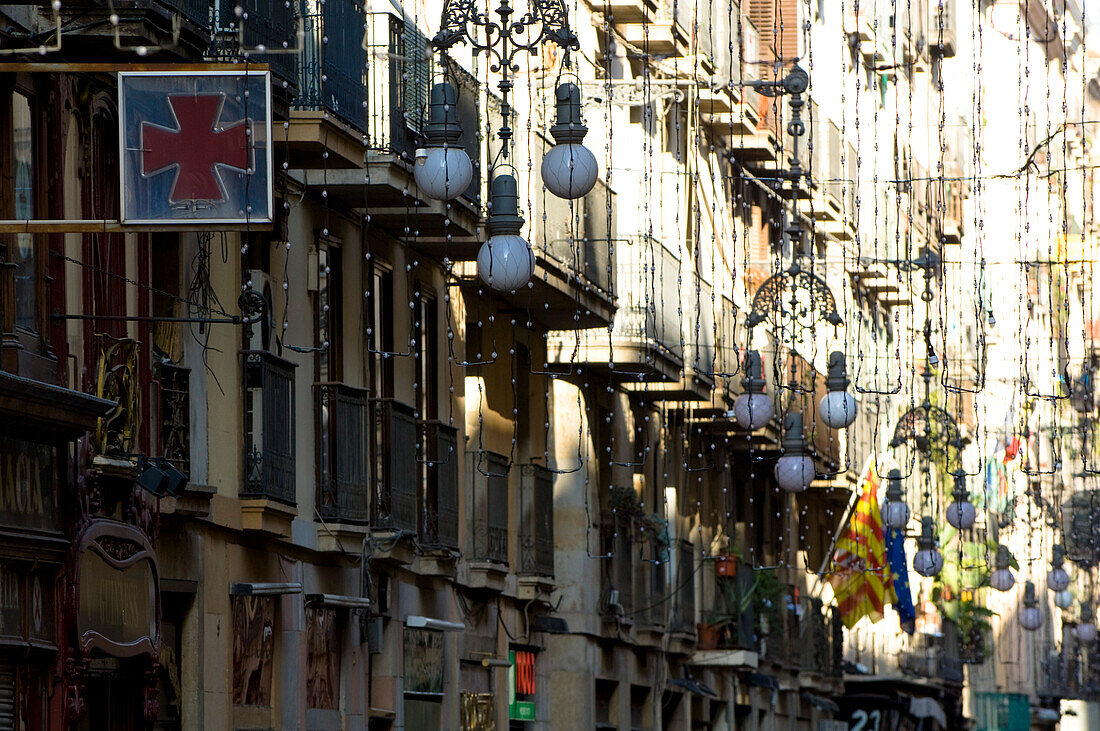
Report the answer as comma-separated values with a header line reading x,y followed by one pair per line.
x,y
195,147
28,481
118,591
521,685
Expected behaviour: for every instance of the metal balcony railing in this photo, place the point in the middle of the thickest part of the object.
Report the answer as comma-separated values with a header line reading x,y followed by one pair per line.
x,y
683,593
577,236
343,452
651,311
174,415
489,502
394,466
536,521
267,24
269,426
618,573
439,500
332,65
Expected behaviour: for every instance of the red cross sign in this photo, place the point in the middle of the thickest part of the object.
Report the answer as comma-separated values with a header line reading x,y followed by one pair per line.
x,y
195,148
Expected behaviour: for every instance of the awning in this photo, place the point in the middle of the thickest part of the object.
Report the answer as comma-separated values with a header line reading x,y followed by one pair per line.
x,y
694,686
927,708
821,703
760,680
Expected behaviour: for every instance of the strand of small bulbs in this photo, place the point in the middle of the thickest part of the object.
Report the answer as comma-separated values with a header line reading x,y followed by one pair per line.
x,y
443,171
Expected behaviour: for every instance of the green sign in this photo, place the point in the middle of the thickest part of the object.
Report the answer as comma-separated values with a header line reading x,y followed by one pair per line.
x,y
519,707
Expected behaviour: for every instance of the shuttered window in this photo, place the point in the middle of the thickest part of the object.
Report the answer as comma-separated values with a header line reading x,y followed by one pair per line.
x,y
777,22
7,695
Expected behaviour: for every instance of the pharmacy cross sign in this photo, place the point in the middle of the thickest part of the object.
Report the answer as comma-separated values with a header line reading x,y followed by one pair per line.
x,y
196,147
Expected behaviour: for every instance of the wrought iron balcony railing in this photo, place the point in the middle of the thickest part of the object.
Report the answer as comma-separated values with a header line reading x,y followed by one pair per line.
x,y
439,499
536,521
394,466
343,453
174,415
619,573
683,590
332,65
649,312
268,24
269,426
488,484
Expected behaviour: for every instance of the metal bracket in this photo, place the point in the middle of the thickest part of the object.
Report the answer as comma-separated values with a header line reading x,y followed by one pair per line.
x,y
251,302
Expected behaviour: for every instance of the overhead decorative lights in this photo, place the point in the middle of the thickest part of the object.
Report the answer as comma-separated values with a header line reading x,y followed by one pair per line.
x,y
1002,578
961,513
795,470
928,561
505,261
1086,626
895,511
838,407
503,40
1082,395
443,169
1057,577
1030,617
932,430
1063,599
569,169
753,409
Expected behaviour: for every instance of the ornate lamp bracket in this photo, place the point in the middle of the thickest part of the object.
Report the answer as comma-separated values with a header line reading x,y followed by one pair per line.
x,y
796,294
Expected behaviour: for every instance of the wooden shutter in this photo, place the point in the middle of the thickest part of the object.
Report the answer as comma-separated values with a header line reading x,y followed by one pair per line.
x,y
778,24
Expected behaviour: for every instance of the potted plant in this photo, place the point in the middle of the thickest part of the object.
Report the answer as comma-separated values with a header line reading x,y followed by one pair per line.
x,y
725,564
719,625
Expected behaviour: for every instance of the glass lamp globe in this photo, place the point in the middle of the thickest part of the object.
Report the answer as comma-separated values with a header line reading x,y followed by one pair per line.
x,y
1057,579
505,262
443,173
838,407
1063,599
895,511
927,562
569,169
1030,618
795,472
1002,579
1085,632
961,514
443,169
753,410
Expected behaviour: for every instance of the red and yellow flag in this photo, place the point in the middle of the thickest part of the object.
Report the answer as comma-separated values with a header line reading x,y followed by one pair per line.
x,y
861,576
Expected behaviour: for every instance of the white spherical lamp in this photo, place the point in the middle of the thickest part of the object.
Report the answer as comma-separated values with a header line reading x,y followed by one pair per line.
x,y
895,511
1086,627
569,169
1063,599
753,409
1030,618
443,169
838,407
961,513
1057,577
795,470
505,261
1002,578
928,561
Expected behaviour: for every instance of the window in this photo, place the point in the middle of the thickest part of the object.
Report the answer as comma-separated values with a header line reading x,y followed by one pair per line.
x,y
379,320
427,354
329,292
23,253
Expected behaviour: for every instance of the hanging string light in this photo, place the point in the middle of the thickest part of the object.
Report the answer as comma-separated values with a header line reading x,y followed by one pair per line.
x,y
1086,626
928,561
795,470
1030,617
838,407
961,513
895,511
1002,578
753,409
1057,577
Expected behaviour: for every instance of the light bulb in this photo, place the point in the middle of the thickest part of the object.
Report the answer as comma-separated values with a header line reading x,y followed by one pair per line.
x,y
1057,579
895,513
927,562
753,410
443,173
1002,579
961,514
838,409
569,170
1031,618
505,262
1085,632
795,472
1063,599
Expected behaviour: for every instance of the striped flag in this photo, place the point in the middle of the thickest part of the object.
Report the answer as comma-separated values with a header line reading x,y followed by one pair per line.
x,y
861,577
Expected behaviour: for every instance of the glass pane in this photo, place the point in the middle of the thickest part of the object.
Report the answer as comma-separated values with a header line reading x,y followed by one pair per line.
x,y
26,301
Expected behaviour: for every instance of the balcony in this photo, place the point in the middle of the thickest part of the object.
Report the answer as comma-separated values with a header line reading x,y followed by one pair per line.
x,y
439,501
618,568
394,466
487,496
651,26
268,493
268,25
645,343
536,521
728,629
174,415
683,595
150,24
343,453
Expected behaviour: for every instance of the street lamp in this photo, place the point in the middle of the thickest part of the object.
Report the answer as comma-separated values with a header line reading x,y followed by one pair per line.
x,y
505,261
795,469
838,407
569,169
753,409
1030,617
1063,599
928,561
443,169
1057,577
961,513
1002,579
895,511
1086,627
